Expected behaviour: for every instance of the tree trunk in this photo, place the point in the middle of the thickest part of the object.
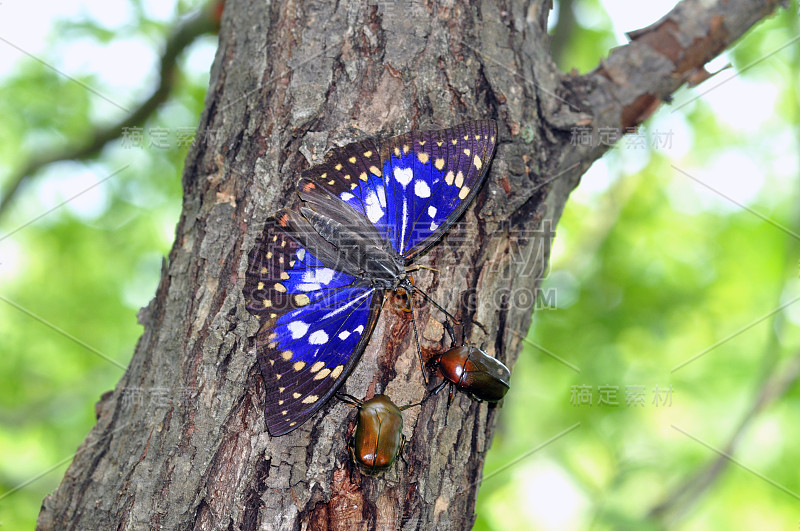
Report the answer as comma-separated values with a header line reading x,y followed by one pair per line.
x,y
181,440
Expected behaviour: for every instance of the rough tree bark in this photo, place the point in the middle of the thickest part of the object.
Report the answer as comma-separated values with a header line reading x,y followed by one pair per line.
x,y
290,80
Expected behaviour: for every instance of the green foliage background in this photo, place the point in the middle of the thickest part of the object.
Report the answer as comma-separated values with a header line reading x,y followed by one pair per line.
x,y
650,269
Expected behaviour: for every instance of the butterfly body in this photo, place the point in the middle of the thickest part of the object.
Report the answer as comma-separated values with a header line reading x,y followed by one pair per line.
x,y
317,274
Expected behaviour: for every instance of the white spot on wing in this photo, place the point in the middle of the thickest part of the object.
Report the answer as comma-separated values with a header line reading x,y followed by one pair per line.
x,y
318,338
346,196
421,189
374,210
301,254
432,211
359,329
297,328
319,275
403,176
344,335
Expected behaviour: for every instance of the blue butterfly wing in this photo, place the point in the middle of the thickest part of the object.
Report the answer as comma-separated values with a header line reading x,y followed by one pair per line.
x,y
315,324
430,178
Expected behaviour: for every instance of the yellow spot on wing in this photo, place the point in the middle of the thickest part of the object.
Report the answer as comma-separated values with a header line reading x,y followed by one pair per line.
x,y
396,151
439,163
263,270
284,412
421,142
459,179
347,177
454,141
296,395
317,366
375,171
301,299
323,175
337,371
367,154
280,288
322,374
449,178
281,389
338,167
466,152
292,423
439,143
352,160
284,275
405,148
310,399
423,157
363,176
286,355
298,365
267,303
269,256
260,285
463,193
478,163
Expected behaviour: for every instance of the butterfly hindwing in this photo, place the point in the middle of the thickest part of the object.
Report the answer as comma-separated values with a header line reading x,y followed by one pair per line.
x,y
315,324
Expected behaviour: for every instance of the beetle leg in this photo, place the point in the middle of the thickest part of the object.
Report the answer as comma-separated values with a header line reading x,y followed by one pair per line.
x,y
451,333
438,388
402,445
350,400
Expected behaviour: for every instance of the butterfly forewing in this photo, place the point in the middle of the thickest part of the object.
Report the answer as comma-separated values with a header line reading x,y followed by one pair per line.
x,y
314,326
430,179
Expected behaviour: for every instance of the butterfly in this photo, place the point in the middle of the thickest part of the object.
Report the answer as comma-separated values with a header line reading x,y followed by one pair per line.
x,y
317,275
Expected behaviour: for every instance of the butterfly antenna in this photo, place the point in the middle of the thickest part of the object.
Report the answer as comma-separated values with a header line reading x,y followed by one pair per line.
x,y
416,340
427,298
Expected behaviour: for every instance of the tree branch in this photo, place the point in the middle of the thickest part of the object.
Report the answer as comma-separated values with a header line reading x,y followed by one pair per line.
x,y
197,24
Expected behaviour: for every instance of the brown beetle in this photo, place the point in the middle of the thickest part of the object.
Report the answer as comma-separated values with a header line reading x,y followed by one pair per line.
x,y
471,370
378,437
